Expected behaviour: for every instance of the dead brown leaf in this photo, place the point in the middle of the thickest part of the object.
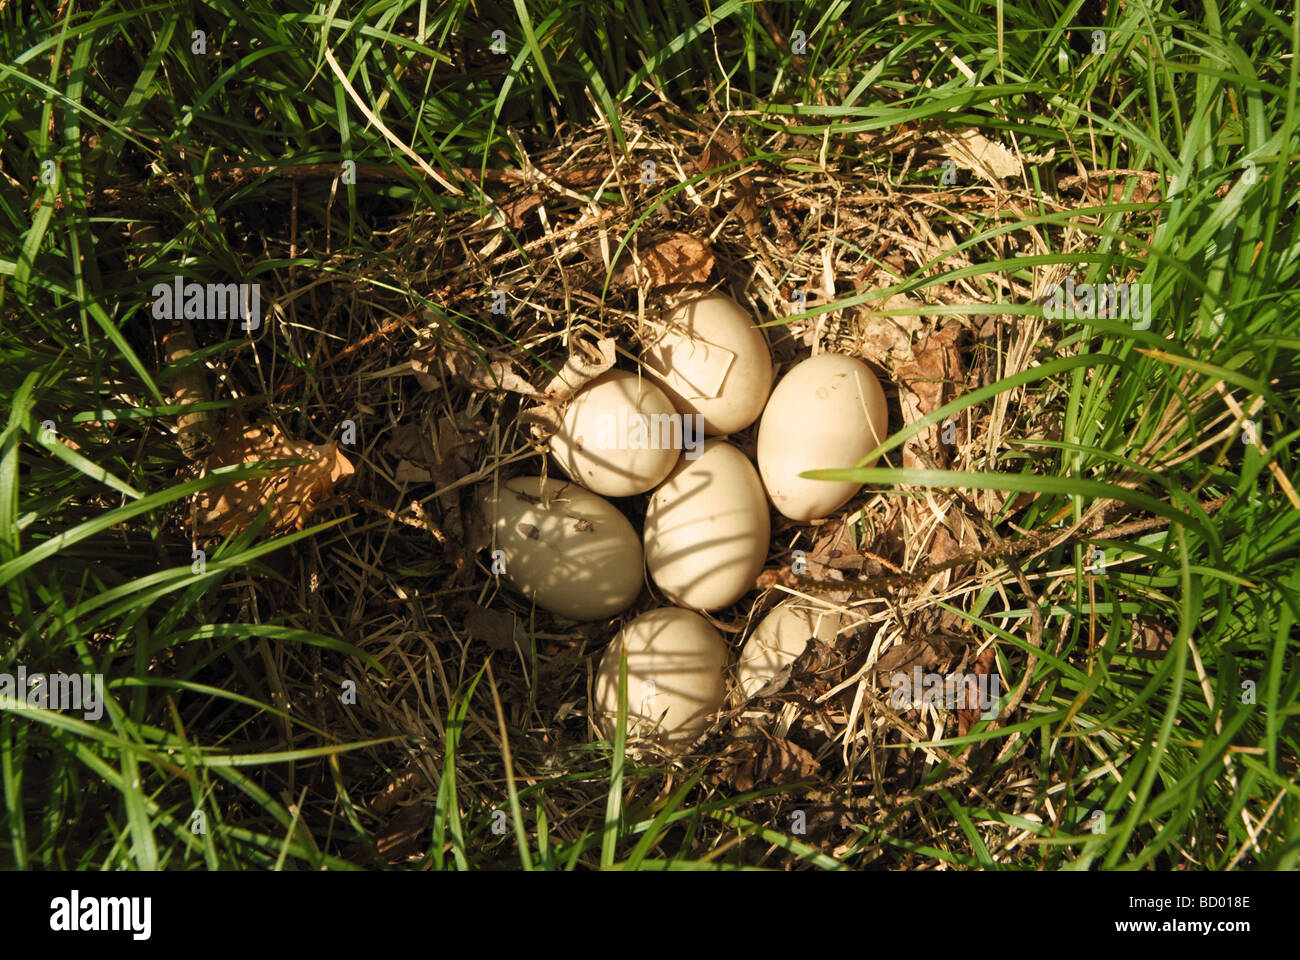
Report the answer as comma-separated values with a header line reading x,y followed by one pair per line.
x,y
585,176
833,549
194,431
411,442
943,545
675,258
394,792
543,419
408,472
925,384
825,574
402,835
516,211
969,713
923,652
723,150
439,455
1151,638
887,341
299,490
777,761
494,627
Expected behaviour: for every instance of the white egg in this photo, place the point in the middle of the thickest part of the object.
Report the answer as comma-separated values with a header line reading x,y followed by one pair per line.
x,y
675,660
778,641
620,435
712,361
569,550
707,529
827,412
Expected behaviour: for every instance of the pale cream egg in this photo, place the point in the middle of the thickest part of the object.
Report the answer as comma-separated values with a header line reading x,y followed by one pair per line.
x,y
712,361
707,529
564,547
620,435
779,639
827,412
675,660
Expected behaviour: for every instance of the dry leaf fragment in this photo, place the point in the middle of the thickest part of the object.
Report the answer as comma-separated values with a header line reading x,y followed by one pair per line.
x,y
194,431
543,420
397,790
924,385
402,835
408,472
439,454
416,453
1151,639
775,760
943,545
411,442
585,176
586,362
969,713
493,627
887,341
833,549
672,259
516,211
497,375
298,489
973,151
723,150
923,652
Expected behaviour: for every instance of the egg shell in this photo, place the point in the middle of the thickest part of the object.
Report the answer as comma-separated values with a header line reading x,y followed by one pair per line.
x,y
827,412
712,360
707,529
620,435
566,548
779,639
675,660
